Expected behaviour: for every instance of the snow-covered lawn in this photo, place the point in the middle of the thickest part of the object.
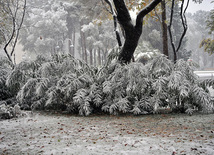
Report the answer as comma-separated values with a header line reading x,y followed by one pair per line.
x,y
69,134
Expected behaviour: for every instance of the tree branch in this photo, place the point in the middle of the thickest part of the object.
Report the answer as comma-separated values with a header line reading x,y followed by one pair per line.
x,y
107,1
184,22
145,11
19,27
115,23
10,39
123,15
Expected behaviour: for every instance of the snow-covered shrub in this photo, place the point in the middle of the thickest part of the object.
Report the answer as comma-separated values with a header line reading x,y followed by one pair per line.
x,y
56,83
22,73
64,83
8,111
5,69
142,89
181,89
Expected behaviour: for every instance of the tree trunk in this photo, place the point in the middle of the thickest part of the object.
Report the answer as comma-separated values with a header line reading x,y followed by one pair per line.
x,y
99,56
105,54
164,29
74,37
131,42
132,32
91,57
84,52
95,58
84,47
69,47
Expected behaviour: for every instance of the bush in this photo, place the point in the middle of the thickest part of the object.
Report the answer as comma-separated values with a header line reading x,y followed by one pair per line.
x,y
64,83
5,69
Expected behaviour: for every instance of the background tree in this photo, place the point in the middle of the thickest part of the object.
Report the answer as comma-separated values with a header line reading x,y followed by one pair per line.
x,y
196,33
65,21
208,44
99,41
11,20
45,28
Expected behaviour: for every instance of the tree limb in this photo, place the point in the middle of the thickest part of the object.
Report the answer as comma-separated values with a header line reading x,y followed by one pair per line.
x,y
106,7
19,27
15,26
115,23
184,23
145,11
123,15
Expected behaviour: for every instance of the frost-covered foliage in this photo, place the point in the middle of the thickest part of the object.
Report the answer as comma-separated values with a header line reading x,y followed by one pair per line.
x,y
142,89
8,111
64,83
57,85
5,69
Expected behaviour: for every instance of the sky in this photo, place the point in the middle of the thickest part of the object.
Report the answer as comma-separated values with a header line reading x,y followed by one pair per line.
x,y
205,5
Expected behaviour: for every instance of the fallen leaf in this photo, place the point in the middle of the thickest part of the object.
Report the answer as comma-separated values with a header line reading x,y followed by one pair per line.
x,y
194,149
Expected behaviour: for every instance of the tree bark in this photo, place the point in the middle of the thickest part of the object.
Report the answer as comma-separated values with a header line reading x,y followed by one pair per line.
x,y
164,29
132,32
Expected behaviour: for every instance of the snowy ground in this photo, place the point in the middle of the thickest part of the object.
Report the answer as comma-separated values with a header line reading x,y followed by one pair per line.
x,y
69,134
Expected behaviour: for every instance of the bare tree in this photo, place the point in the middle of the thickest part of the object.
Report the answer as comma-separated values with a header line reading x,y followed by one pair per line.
x,y
184,24
14,13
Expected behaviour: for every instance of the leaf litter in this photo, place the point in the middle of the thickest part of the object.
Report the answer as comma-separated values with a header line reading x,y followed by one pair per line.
x,y
45,133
